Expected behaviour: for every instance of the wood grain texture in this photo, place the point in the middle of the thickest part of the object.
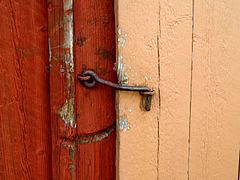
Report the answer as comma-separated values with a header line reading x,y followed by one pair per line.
x,y
25,139
60,32
95,108
138,29
175,49
215,120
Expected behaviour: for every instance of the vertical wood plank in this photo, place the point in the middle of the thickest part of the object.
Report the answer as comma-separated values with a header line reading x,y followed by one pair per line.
x,y
137,65
175,49
25,139
215,122
60,31
94,26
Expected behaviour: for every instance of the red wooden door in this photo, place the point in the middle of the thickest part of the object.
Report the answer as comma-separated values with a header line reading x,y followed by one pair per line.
x,y
51,126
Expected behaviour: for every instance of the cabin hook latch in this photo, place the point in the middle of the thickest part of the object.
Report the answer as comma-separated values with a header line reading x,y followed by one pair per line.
x,y
89,79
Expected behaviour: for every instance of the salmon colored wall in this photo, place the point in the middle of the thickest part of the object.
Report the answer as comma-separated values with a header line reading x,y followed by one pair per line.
x,y
188,51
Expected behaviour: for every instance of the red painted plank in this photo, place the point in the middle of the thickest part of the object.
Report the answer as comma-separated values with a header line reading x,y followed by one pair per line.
x,y
60,31
95,108
25,139
92,110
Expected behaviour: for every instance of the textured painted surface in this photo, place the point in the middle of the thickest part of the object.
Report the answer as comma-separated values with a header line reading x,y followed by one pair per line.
x,y
94,49
138,23
215,116
79,130
188,52
25,139
175,49
60,32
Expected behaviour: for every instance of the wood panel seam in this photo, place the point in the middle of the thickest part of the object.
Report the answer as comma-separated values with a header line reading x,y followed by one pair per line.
x,y
159,91
159,109
190,100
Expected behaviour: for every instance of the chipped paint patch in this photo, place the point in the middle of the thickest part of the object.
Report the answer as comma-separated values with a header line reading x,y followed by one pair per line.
x,y
122,75
67,110
121,38
71,154
123,124
122,120
68,34
67,113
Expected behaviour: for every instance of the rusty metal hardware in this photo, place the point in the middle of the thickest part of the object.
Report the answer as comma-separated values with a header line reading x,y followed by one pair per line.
x,y
89,79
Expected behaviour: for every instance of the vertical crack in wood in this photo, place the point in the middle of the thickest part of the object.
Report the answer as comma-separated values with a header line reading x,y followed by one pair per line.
x,y
190,100
159,94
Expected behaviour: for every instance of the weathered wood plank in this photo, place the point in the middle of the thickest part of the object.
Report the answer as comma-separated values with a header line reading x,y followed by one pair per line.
x,y
215,120
138,26
175,49
60,31
25,139
94,26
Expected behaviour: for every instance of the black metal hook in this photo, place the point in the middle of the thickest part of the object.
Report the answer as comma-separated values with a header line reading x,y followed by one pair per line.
x,y
90,78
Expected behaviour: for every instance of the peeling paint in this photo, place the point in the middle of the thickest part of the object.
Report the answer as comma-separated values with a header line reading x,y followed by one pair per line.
x,y
67,110
123,123
122,120
121,38
68,34
71,150
122,75
67,113
62,70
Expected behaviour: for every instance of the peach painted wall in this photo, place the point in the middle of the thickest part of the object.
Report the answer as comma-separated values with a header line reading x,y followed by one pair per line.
x,y
188,51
